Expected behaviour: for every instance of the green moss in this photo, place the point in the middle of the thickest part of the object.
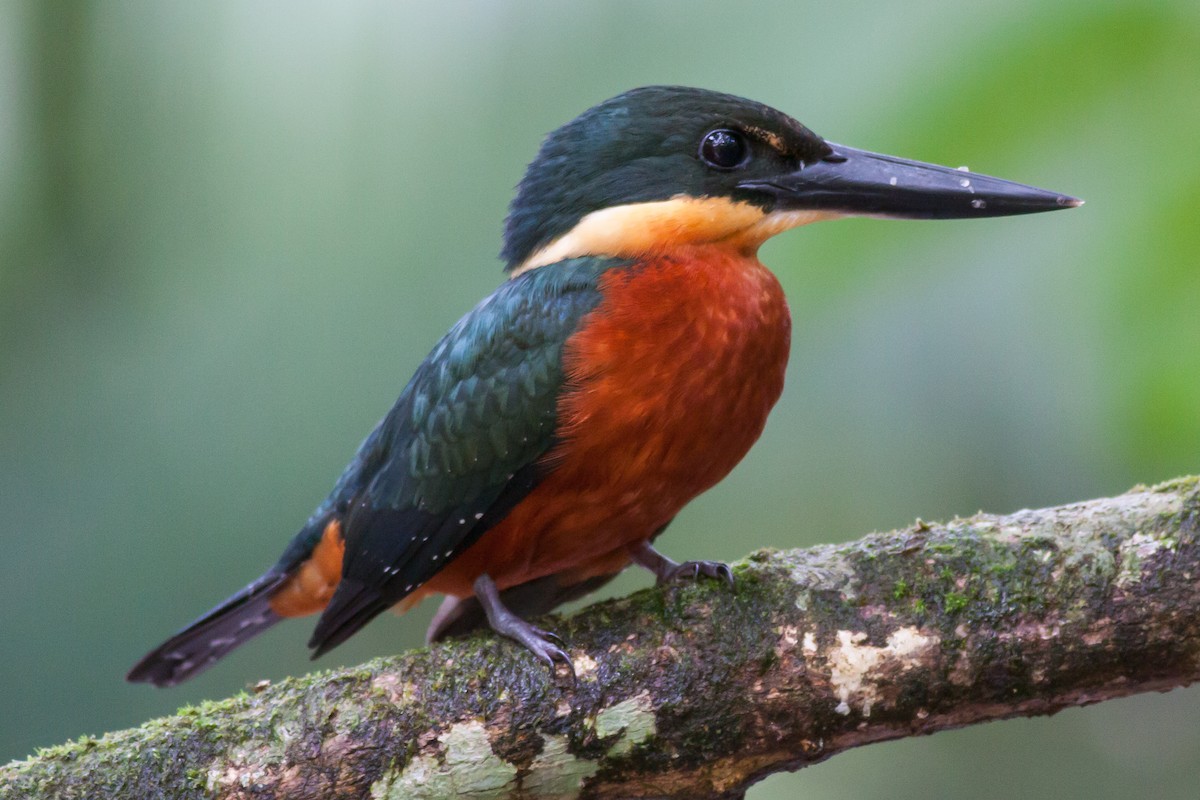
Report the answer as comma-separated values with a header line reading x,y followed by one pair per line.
x,y
954,602
900,590
1182,485
196,777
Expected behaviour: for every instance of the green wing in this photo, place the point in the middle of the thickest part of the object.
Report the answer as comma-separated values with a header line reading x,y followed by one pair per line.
x,y
461,446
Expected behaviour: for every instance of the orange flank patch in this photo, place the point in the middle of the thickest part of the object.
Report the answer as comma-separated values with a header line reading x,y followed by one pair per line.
x,y
670,380
309,589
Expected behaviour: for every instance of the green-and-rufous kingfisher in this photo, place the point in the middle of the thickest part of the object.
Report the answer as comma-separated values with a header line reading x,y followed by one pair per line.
x,y
625,365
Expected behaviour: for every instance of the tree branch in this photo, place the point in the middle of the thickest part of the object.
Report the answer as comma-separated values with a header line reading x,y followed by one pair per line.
x,y
698,691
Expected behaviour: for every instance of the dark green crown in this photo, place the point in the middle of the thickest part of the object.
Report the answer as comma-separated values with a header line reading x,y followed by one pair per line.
x,y
645,145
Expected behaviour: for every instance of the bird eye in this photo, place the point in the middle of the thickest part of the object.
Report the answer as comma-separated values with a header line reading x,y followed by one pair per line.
x,y
724,149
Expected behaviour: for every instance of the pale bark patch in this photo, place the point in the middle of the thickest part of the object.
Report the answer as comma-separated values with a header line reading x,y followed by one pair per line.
x,y
857,669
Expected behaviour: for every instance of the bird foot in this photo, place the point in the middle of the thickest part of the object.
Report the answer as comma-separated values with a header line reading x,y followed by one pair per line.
x,y
667,571
692,570
546,645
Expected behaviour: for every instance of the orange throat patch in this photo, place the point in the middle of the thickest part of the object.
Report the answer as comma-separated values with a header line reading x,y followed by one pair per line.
x,y
637,230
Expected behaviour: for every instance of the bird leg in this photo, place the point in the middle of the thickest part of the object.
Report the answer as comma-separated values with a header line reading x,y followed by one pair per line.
x,y
665,570
543,644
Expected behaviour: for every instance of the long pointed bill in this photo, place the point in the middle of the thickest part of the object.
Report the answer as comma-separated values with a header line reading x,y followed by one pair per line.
x,y
870,184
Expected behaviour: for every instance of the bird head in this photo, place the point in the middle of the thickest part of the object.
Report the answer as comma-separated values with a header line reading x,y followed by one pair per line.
x,y
663,166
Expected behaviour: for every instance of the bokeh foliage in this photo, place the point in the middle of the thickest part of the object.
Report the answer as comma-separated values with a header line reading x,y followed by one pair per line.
x,y
229,231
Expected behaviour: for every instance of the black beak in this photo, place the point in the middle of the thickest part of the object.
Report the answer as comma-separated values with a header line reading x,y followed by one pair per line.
x,y
862,183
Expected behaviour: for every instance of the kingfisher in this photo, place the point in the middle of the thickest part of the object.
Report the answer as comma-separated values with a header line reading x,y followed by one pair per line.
x,y
626,364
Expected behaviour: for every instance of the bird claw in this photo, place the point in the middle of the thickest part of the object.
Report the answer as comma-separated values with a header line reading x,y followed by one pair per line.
x,y
667,571
549,636
692,570
547,646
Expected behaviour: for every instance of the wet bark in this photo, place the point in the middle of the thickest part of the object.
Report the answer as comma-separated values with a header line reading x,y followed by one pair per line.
x,y
698,690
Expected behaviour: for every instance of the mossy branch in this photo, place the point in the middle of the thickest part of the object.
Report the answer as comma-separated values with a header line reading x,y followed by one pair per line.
x,y
697,691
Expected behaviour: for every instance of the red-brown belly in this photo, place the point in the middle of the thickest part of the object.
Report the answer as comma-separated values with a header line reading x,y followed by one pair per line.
x,y
670,380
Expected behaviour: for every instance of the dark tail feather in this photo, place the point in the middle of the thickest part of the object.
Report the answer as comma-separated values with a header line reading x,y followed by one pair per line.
x,y
352,606
201,644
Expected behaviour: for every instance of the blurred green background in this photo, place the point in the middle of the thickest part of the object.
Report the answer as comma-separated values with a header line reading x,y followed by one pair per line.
x,y
229,231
